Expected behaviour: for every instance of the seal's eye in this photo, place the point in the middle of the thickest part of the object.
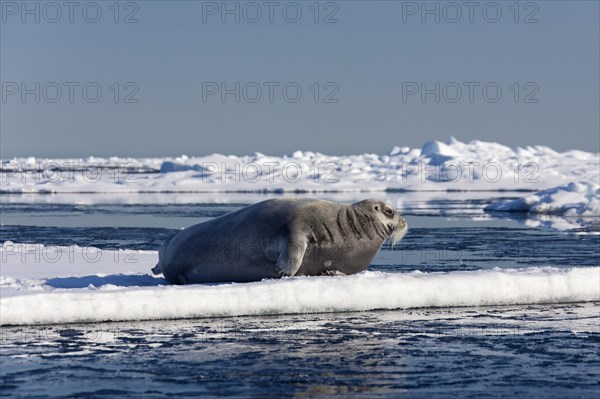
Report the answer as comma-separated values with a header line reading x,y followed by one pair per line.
x,y
388,212
376,208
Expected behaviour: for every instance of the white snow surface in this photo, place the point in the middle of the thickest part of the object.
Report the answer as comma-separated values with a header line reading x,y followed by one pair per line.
x,y
573,199
41,285
438,166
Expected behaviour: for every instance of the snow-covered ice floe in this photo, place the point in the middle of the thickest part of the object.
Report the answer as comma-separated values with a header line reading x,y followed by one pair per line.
x,y
436,166
574,199
73,284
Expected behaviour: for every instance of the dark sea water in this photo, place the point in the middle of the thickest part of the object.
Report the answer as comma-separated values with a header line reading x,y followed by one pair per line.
x,y
545,351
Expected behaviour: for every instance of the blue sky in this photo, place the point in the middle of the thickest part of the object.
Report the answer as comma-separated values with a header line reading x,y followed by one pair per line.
x,y
529,75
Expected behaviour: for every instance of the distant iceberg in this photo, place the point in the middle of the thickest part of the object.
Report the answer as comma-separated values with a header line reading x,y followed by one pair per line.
x,y
436,166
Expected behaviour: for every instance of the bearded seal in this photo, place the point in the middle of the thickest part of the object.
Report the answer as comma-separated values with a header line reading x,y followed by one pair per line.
x,y
281,237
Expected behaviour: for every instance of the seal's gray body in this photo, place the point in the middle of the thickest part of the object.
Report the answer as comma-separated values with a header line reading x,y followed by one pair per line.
x,y
279,237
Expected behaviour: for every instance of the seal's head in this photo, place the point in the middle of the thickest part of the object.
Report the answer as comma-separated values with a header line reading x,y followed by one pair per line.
x,y
394,225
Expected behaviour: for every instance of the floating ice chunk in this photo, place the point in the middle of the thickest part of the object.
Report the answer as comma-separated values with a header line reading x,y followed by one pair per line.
x,y
361,292
572,199
63,286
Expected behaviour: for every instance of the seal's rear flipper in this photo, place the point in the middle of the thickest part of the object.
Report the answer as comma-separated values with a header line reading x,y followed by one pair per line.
x,y
157,269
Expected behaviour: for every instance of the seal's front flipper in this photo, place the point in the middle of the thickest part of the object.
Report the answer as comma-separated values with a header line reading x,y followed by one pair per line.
x,y
333,273
290,257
